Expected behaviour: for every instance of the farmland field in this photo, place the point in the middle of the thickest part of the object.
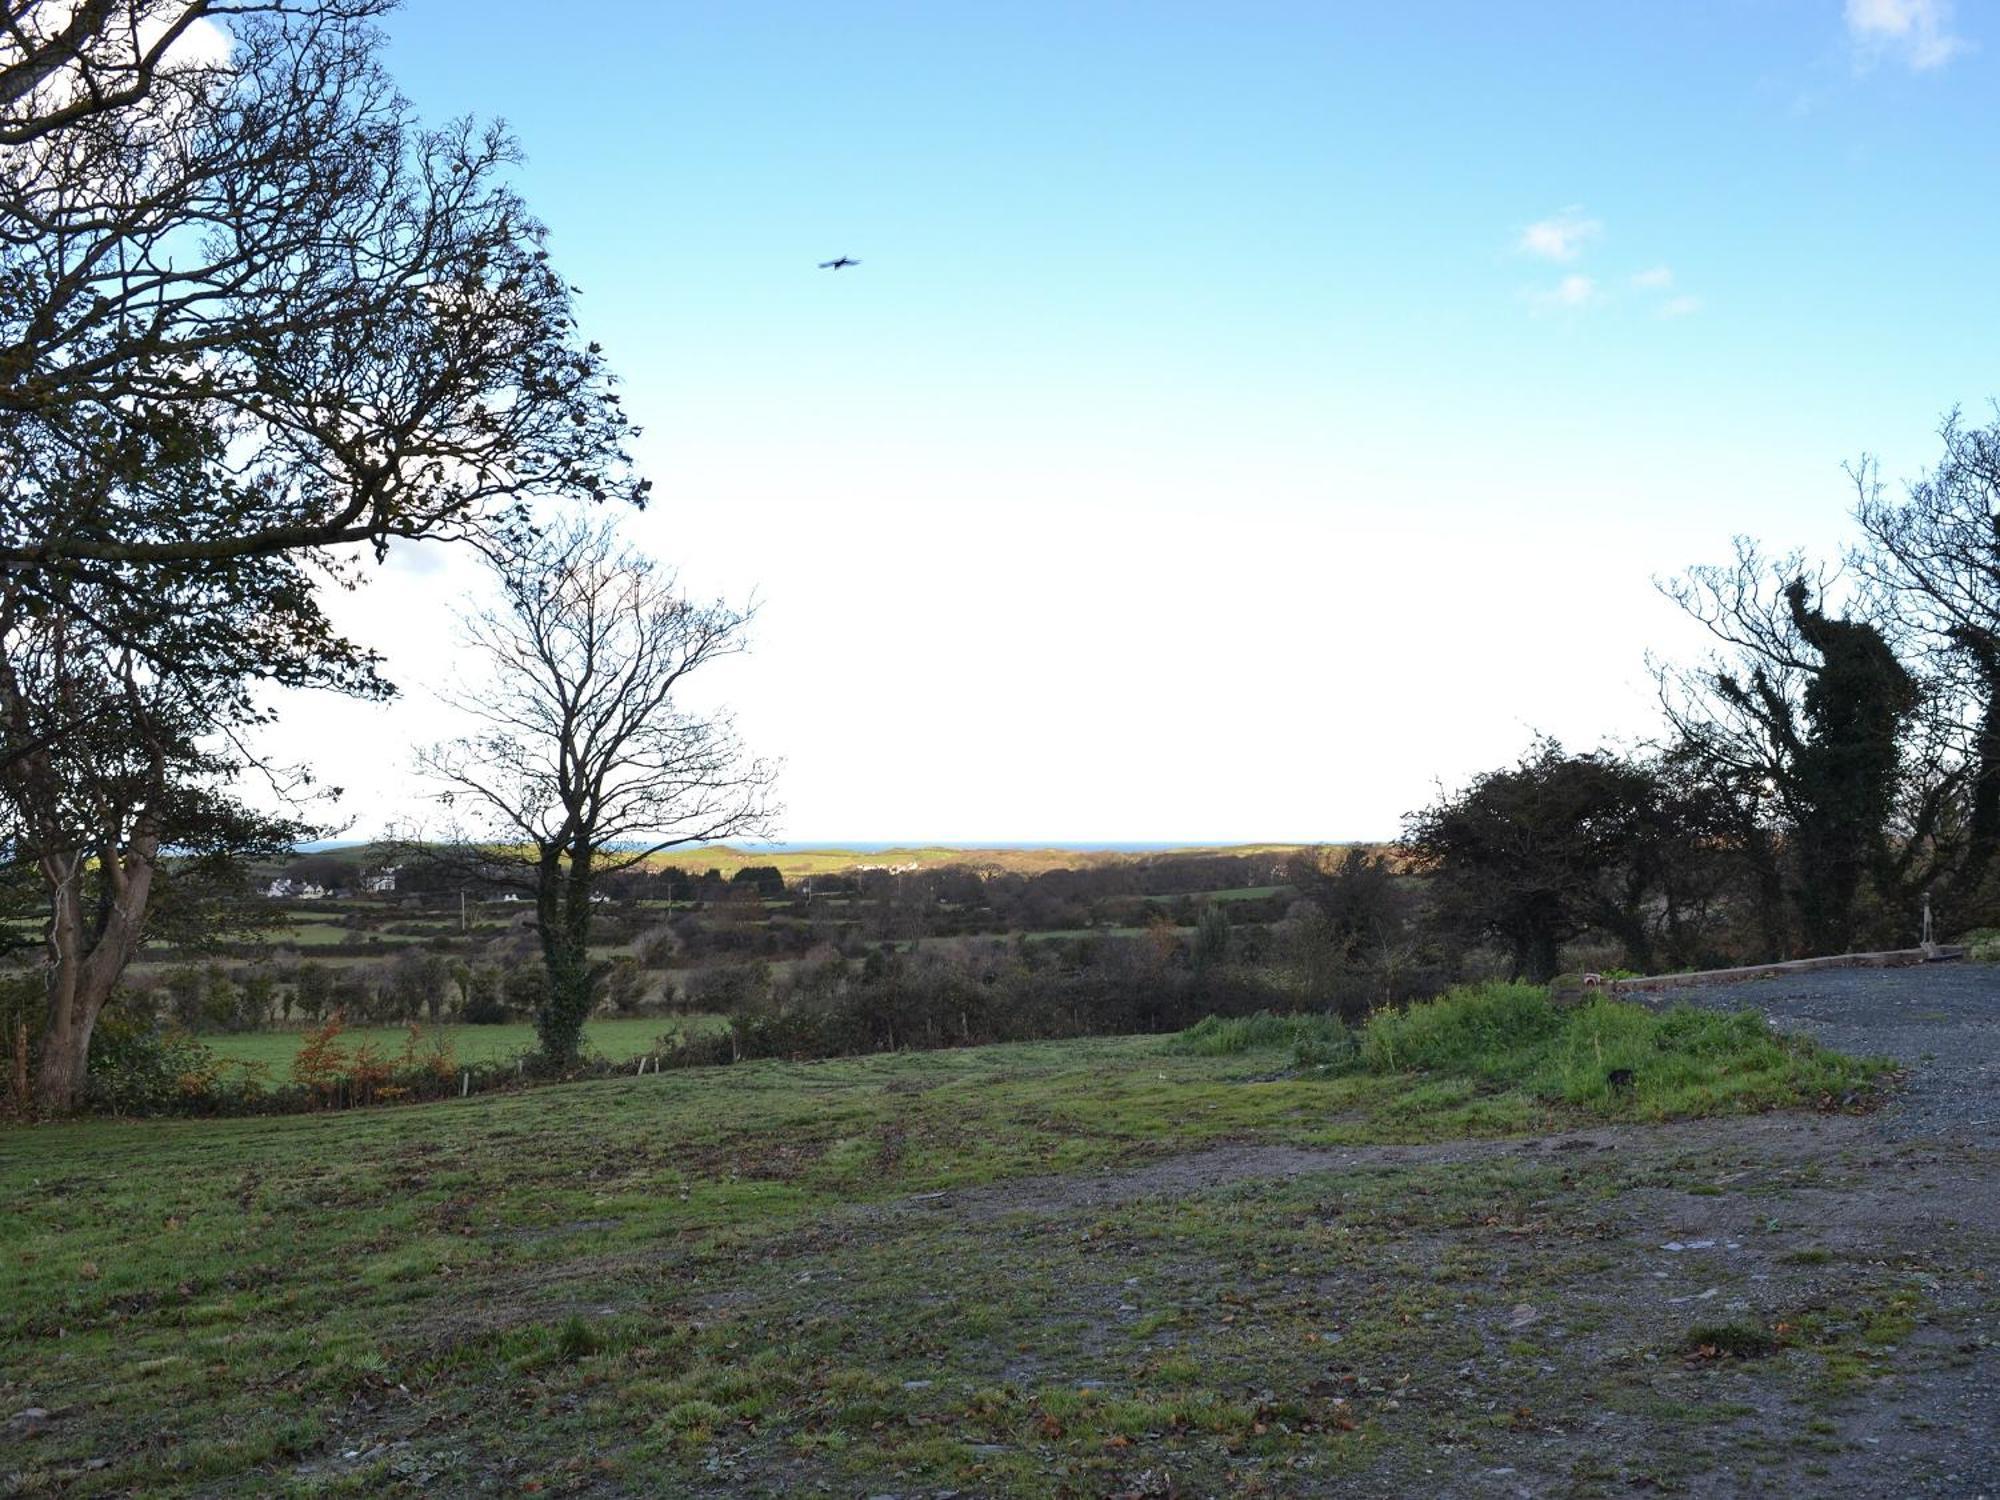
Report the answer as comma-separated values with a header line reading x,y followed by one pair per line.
x,y
618,1039
1057,1268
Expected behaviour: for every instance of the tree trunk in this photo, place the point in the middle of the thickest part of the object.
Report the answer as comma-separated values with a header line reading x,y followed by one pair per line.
x,y
1982,833
562,905
84,966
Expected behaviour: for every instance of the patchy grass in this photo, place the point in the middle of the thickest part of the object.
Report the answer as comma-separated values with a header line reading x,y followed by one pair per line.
x,y
1507,1044
875,1273
1225,1036
621,1040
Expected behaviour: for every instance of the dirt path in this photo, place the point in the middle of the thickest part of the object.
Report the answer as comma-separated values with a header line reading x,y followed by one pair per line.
x,y
1868,1242
1777,1137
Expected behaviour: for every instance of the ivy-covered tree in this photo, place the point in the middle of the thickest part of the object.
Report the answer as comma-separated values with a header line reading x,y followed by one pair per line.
x,y
1801,728
1934,555
586,761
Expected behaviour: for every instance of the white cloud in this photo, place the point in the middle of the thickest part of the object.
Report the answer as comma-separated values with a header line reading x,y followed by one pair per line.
x,y
1680,307
1569,294
1917,31
1654,279
1561,236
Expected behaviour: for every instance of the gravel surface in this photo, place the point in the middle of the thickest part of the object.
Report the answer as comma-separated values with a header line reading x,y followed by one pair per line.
x,y
1941,1021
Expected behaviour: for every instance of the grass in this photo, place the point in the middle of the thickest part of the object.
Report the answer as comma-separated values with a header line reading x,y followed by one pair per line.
x,y
1611,1056
1236,893
621,1040
1496,1049
636,1283
1220,1036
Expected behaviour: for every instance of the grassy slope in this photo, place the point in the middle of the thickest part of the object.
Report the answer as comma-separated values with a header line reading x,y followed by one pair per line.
x,y
622,1280
619,1040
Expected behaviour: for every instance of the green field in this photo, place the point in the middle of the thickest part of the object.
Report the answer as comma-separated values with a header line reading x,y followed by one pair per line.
x,y
1238,893
621,1040
1021,1270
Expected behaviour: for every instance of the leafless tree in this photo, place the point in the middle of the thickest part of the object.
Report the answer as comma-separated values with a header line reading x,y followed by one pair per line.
x,y
269,272
62,64
1934,555
586,761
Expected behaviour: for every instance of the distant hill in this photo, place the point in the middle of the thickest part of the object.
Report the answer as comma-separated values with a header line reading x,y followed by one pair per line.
x,y
793,861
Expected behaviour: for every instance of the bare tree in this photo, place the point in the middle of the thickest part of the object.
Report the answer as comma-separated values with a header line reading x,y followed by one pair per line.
x,y
1935,556
586,762
343,326
62,65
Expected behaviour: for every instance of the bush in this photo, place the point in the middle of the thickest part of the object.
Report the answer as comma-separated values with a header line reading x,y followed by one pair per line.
x,y
483,1003
1982,946
1481,1030
138,1067
991,993
727,988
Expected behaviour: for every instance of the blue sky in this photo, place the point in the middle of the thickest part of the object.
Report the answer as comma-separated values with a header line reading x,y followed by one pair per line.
x,y
1243,415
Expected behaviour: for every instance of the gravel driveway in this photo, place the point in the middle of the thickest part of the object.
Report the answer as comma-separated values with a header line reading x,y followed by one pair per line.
x,y
1941,1021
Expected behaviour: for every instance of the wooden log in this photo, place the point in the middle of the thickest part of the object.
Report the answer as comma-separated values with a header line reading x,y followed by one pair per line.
x,y
1894,958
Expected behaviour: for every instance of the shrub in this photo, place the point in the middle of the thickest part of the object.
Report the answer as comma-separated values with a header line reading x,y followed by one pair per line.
x,y
367,1071
138,1067
483,1003
727,988
432,1054
1481,1030
320,1063
1982,946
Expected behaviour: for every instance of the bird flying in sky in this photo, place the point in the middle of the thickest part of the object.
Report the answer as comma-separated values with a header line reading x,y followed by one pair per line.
x,y
835,265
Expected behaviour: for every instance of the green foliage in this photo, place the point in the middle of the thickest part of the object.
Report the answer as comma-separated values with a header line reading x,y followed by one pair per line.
x,y
138,1067
1486,1031
1682,1061
1982,946
1225,1036
1211,937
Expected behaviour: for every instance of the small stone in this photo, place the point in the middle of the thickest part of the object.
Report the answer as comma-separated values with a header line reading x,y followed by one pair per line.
x,y
28,1421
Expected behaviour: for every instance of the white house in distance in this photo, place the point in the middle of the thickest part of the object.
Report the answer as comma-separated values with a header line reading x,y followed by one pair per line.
x,y
380,882
286,889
